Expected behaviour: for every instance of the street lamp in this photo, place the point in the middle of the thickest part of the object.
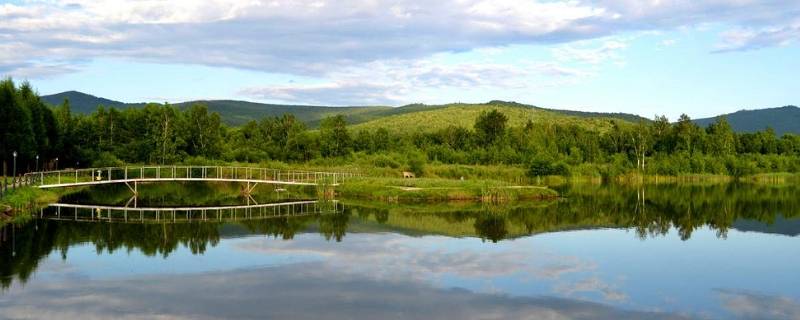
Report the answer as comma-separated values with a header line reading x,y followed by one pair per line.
x,y
37,163
56,163
15,167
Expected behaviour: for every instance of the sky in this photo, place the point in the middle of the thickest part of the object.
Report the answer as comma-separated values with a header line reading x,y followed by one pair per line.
x,y
647,57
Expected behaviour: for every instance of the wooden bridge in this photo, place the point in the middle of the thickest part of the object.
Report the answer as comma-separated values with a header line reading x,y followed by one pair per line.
x,y
124,214
131,176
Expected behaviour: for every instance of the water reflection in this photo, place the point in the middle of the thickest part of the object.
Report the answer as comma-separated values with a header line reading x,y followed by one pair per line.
x,y
282,292
379,260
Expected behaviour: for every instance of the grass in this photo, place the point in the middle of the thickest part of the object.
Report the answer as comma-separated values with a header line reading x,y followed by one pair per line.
x,y
22,200
464,115
432,189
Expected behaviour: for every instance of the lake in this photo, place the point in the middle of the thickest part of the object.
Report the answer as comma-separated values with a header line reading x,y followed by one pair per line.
x,y
602,252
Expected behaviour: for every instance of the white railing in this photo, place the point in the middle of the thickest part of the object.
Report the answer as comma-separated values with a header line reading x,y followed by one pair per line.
x,y
76,212
91,176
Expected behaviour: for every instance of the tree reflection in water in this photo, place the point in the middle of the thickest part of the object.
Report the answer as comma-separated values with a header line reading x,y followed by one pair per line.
x,y
651,213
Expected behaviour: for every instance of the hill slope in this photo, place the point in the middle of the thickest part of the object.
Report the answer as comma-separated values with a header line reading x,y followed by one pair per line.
x,y
464,115
83,103
783,120
235,112
239,112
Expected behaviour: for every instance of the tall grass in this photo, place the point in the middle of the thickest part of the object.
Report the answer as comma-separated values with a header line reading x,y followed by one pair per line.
x,y
434,189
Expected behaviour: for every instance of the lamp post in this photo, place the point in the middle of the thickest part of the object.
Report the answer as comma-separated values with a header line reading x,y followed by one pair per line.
x,y
14,180
37,163
56,163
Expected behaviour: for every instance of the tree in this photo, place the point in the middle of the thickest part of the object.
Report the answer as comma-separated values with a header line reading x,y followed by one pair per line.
x,y
203,131
16,131
491,126
686,134
721,139
641,142
334,139
661,130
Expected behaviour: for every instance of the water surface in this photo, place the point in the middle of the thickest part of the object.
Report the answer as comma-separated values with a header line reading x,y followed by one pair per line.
x,y
603,252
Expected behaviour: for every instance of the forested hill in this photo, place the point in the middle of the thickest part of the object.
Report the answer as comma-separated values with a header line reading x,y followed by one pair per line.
x,y
782,120
234,112
84,103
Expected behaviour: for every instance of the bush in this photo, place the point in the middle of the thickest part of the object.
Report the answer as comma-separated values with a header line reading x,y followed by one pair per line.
x,y
416,163
106,159
541,166
384,161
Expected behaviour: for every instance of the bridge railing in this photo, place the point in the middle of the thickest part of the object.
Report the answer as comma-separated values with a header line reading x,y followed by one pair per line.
x,y
77,212
210,173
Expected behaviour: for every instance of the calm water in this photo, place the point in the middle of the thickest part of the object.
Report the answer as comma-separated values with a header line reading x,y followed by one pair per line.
x,y
604,252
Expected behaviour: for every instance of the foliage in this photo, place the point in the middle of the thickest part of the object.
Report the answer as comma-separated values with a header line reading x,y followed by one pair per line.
x,y
453,141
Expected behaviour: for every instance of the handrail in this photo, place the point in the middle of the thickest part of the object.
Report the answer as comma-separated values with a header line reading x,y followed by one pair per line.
x,y
92,213
104,175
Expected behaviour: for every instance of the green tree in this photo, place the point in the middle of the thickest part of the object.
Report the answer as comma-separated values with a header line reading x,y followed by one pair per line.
x,y
491,126
203,131
334,138
721,138
686,134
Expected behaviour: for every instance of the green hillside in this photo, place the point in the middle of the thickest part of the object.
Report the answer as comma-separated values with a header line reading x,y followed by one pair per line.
x,y
84,103
464,115
236,112
233,112
782,120
239,112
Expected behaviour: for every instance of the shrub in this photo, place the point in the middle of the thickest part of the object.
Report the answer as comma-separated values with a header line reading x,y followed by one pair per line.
x,y
542,166
106,159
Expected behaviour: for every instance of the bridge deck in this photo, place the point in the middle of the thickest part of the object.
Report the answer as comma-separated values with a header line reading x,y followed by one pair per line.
x,y
110,175
99,213
90,183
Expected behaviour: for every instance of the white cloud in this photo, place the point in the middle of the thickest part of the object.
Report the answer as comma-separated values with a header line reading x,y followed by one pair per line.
x,y
668,42
749,305
341,42
608,50
391,82
312,37
750,39
593,285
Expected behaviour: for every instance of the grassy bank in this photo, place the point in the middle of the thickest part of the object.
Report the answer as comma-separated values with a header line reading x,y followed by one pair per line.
x,y
432,189
22,200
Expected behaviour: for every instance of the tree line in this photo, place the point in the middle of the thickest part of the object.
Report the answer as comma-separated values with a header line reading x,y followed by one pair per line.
x,y
164,134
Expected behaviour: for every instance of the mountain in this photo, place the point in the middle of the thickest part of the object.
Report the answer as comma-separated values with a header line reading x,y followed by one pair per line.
x,y
235,112
434,118
782,120
83,103
232,112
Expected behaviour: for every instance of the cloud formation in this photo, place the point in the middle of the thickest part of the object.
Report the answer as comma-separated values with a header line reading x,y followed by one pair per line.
x,y
306,291
342,42
750,305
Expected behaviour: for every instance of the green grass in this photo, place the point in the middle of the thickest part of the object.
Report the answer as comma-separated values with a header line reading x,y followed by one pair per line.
x,y
431,189
23,200
464,115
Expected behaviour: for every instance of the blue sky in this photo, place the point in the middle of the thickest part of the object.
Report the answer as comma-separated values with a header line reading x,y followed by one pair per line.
x,y
702,57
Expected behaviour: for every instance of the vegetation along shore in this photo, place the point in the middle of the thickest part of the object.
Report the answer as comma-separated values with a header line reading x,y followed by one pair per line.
x,y
493,151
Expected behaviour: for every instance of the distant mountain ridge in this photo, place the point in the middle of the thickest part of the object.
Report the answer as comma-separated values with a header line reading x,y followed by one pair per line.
x,y
84,103
235,112
782,120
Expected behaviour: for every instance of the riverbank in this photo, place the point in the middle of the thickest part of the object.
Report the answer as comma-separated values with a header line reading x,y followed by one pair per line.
x,y
432,189
24,199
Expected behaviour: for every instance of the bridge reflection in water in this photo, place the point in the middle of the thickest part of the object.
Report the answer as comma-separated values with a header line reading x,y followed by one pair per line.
x,y
124,214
